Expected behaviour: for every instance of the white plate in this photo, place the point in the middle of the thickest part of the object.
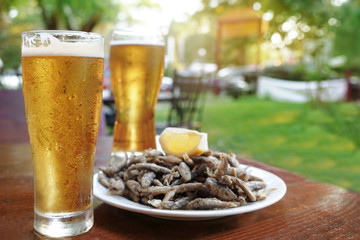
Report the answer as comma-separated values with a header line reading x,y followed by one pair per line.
x,y
272,181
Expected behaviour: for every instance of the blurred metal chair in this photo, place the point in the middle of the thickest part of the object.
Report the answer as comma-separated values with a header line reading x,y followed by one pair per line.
x,y
188,101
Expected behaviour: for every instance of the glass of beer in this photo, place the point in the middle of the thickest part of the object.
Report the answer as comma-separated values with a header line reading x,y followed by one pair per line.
x,y
62,86
136,68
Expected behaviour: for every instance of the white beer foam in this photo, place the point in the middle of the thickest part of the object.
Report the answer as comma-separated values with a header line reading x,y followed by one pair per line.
x,y
52,46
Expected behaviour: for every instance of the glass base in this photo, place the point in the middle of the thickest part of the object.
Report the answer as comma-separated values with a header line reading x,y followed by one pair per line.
x,y
63,225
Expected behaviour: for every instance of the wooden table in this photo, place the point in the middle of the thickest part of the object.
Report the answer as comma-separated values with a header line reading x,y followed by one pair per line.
x,y
309,210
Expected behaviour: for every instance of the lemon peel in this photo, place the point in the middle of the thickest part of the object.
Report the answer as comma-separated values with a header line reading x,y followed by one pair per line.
x,y
178,141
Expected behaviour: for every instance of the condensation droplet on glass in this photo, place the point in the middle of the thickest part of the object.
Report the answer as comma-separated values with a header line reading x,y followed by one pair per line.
x,y
57,146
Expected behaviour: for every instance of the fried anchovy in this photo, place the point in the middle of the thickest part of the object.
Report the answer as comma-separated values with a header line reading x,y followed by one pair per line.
x,y
117,184
184,171
103,179
147,179
219,190
171,159
209,203
178,189
149,166
213,180
223,166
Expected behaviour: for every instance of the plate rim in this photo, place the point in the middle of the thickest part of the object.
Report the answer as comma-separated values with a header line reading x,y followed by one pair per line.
x,y
129,205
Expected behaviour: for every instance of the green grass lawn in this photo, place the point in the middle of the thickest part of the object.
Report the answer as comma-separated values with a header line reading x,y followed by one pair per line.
x,y
318,141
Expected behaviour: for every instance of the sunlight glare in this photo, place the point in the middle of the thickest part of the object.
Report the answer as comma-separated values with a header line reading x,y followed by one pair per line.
x,y
257,6
13,13
178,11
305,28
161,17
214,3
338,3
293,34
288,25
276,38
332,21
268,16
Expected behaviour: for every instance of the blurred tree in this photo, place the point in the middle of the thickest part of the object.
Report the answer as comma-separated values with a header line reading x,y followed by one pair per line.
x,y
76,15
347,35
191,36
63,14
17,16
302,24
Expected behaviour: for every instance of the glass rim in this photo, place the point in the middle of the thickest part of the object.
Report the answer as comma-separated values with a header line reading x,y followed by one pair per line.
x,y
137,30
63,32
62,43
136,35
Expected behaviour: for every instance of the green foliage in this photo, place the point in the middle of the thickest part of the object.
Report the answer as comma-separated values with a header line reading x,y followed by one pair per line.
x,y
189,36
237,52
11,28
196,41
301,72
347,34
76,15
11,56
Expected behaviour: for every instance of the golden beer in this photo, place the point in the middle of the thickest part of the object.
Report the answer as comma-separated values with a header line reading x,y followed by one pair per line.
x,y
136,72
63,97
63,101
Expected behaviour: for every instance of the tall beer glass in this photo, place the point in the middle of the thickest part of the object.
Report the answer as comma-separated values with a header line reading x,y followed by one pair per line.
x,y
136,67
62,86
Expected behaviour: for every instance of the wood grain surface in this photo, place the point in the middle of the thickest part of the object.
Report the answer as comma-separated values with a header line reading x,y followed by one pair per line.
x,y
309,210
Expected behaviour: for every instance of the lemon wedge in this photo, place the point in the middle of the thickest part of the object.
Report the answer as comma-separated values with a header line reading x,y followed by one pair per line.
x,y
178,141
